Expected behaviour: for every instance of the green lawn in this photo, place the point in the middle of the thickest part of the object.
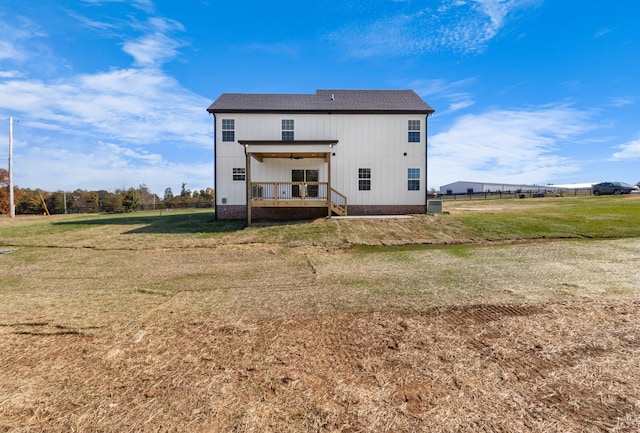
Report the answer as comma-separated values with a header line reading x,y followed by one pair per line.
x,y
466,222
592,217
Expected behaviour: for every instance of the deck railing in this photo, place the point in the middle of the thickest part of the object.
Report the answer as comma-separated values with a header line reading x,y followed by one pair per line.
x,y
288,191
338,202
297,194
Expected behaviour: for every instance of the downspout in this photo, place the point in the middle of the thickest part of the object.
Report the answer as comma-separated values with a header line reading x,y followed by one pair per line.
x,y
247,180
215,170
329,198
426,164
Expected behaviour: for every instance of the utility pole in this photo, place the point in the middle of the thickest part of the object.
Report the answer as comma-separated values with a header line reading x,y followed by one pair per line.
x,y
12,207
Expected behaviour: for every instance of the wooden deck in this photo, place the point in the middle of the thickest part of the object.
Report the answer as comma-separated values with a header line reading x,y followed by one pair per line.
x,y
298,194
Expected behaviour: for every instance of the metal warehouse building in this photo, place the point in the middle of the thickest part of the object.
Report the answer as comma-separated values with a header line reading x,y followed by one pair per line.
x,y
461,187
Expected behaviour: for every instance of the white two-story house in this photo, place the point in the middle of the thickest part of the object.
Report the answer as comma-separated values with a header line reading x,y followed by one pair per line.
x,y
335,152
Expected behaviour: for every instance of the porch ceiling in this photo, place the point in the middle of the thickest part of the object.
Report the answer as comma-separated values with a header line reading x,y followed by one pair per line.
x,y
297,149
260,156
287,143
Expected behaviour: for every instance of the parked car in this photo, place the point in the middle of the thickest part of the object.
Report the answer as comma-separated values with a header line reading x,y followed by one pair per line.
x,y
612,188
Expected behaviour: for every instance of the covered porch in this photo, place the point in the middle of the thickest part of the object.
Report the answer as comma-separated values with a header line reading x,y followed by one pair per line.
x,y
304,190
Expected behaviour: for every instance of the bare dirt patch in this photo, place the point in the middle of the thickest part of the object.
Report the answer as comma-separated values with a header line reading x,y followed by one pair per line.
x,y
477,368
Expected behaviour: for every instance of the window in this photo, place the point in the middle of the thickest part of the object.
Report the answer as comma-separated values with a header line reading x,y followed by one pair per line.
x,y
364,179
238,174
228,130
287,129
413,175
414,131
306,180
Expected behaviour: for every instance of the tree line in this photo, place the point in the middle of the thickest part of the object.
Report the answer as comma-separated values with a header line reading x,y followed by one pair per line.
x,y
29,201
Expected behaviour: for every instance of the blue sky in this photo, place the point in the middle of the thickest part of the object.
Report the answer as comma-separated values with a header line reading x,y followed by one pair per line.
x,y
111,94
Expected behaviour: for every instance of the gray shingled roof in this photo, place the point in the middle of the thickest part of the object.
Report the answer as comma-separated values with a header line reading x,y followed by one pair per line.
x,y
335,101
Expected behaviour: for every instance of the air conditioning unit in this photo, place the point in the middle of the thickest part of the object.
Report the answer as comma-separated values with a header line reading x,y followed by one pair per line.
x,y
434,206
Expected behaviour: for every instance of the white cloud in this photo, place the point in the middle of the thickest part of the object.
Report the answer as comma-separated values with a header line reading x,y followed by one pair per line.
x,y
106,166
155,47
152,49
93,24
138,105
512,146
630,150
15,37
144,5
108,129
441,86
453,92
604,32
115,150
141,106
497,11
460,105
621,101
456,25
8,51
10,74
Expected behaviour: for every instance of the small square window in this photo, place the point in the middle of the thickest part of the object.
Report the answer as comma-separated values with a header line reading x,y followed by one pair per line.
x,y
364,179
239,174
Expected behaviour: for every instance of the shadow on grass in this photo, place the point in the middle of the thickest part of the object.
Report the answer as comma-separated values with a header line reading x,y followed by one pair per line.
x,y
163,222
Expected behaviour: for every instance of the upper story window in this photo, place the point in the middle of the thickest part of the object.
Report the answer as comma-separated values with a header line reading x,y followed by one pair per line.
x,y
228,130
414,131
287,129
364,179
413,179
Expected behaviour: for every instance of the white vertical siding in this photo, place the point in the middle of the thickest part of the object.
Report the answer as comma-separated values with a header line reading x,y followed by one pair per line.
x,y
378,142
229,155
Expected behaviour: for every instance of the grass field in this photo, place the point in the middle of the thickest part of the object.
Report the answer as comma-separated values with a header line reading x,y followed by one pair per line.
x,y
500,316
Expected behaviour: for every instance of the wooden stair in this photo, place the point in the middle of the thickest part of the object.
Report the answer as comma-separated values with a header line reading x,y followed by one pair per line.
x,y
338,203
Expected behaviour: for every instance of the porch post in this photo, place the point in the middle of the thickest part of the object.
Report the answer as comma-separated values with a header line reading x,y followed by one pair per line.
x,y
248,180
329,185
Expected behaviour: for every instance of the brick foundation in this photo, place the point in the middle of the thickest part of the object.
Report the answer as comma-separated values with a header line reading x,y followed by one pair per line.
x,y
287,213
355,210
231,212
227,212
